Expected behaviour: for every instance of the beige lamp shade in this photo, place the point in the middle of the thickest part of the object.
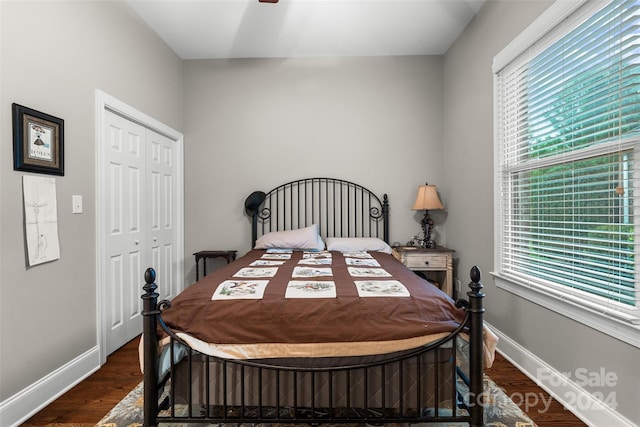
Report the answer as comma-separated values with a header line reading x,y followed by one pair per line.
x,y
427,199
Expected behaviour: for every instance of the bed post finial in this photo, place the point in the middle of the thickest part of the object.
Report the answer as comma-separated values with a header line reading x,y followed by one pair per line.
x,y
149,278
251,208
385,217
149,330
476,358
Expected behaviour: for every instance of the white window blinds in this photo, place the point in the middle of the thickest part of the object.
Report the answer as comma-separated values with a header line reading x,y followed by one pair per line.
x,y
568,127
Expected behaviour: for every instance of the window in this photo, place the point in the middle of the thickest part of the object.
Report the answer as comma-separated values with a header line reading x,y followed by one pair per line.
x,y
567,140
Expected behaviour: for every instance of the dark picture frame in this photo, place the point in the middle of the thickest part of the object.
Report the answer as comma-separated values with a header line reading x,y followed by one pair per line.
x,y
38,141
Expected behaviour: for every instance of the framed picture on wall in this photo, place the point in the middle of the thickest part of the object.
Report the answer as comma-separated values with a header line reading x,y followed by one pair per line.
x,y
38,141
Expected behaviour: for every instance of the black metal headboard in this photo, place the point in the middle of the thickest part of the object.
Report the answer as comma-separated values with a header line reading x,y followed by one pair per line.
x,y
340,208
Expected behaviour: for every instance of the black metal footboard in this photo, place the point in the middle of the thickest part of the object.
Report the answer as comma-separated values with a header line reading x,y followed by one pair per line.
x,y
428,384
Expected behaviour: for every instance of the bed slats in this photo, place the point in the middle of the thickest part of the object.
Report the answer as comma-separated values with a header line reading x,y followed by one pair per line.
x,y
399,391
339,208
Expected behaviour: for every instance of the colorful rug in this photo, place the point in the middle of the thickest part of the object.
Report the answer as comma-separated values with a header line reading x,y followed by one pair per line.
x,y
500,411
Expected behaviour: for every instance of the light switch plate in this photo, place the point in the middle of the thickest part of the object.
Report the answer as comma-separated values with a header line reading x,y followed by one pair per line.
x,y
77,204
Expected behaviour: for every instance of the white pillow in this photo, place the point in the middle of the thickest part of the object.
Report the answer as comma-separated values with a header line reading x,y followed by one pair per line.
x,y
306,238
357,244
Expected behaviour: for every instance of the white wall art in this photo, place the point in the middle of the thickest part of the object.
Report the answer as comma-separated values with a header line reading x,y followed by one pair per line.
x,y
41,219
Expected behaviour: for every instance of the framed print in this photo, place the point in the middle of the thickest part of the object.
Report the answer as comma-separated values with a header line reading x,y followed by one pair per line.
x,y
38,141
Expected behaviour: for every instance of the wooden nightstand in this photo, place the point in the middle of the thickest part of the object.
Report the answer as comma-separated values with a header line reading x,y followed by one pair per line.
x,y
435,263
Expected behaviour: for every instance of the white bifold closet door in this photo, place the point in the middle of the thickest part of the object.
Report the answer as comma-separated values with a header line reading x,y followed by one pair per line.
x,y
140,203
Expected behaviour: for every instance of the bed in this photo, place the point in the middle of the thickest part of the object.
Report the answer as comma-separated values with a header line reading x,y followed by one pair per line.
x,y
318,323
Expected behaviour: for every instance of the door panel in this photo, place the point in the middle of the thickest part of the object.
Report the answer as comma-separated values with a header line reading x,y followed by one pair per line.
x,y
163,230
114,294
125,234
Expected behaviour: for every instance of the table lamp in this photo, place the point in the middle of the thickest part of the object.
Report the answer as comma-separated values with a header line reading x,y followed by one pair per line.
x,y
427,200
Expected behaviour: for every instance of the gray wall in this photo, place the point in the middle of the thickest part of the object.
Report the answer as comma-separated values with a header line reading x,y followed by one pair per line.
x,y
468,156
252,124
54,56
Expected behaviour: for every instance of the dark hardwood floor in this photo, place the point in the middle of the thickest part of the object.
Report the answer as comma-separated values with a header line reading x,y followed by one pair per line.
x,y
534,401
85,404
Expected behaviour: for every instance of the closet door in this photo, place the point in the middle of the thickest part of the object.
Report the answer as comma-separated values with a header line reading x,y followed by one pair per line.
x,y
140,185
161,199
126,243
126,246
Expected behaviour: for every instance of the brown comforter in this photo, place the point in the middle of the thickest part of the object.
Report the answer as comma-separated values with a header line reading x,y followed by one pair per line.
x,y
347,318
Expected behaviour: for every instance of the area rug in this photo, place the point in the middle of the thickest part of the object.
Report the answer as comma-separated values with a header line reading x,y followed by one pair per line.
x,y
500,411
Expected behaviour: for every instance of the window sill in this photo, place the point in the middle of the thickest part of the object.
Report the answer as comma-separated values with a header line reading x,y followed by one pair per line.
x,y
614,327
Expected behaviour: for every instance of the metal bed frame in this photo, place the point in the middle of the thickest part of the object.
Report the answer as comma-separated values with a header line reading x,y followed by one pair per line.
x,y
304,394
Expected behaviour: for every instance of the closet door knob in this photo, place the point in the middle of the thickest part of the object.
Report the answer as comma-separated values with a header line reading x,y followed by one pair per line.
x,y
137,242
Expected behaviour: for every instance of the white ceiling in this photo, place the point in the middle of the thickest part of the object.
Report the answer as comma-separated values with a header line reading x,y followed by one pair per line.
x,y
199,29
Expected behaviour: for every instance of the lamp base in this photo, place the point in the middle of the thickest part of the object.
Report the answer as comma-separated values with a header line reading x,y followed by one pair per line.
x,y
427,225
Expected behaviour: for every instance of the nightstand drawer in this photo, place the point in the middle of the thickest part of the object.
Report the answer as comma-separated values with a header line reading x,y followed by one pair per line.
x,y
419,261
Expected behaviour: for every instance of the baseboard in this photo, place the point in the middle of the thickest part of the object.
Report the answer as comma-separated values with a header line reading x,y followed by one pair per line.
x,y
27,402
591,410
